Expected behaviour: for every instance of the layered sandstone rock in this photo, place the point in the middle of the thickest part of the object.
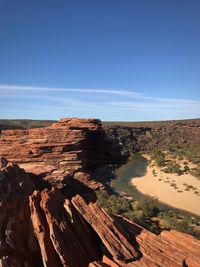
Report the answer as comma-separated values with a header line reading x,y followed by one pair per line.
x,y
76,233
171,248
123,242
55,225
70,147
47,229
18,245
63,238
113,236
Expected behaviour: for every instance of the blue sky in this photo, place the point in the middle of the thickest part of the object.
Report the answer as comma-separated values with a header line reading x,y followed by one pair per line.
x,y
116,60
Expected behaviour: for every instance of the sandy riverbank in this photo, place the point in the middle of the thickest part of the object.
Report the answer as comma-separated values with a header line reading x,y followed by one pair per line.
x,y
170,188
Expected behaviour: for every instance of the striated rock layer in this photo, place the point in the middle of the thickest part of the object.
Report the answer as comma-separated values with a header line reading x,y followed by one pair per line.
x,y
70,147
47,229
42,224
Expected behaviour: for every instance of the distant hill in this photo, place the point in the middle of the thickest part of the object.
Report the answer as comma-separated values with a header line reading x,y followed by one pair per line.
x,y
28,124
153,124
142,136
23,124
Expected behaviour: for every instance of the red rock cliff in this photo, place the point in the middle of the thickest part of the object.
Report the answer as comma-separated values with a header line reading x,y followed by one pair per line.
x,y
70,147
49,227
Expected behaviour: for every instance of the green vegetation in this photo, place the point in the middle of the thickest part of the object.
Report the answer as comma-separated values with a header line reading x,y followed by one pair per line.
x,y
146,213
159,157
131,209
189,152
186,168
172,167
185,225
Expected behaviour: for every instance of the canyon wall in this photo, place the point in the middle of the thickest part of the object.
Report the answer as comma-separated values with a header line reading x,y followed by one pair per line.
x,y
48,211
70,148
135,137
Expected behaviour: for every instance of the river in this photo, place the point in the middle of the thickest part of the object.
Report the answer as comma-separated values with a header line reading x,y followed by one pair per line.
x,y
135,167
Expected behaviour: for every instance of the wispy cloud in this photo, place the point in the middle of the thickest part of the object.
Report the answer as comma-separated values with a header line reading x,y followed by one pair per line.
x,y
7,88
110,104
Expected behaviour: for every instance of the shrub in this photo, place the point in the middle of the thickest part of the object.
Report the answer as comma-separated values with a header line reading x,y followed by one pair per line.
x,y
149,208
172,167
186,168
159,157
102,197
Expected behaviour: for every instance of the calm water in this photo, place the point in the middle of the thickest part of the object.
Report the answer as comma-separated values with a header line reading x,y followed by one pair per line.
x,y
135,167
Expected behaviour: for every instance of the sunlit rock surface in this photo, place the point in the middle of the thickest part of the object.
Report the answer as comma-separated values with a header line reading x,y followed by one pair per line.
x,y
46,220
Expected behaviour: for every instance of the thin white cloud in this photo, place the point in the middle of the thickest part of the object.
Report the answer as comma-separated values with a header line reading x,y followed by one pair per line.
x,y
31,89
82,102
6,88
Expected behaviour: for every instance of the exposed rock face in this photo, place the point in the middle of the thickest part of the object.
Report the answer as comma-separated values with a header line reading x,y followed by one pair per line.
x,y
46,229
18,245
76,233
55,226
171,248
70,147
3,163
135,137
112,234
61,235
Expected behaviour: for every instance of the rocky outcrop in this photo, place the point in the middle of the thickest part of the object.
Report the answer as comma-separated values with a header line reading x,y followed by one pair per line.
x,y
18,245
70,147
62,237
113,236
76,233
143,136
47,229
48,216
133,136
171,248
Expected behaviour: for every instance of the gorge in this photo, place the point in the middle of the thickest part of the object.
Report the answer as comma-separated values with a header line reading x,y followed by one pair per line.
x,y
48,211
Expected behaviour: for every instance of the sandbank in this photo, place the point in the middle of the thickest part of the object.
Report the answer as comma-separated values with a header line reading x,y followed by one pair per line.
x,y
171,189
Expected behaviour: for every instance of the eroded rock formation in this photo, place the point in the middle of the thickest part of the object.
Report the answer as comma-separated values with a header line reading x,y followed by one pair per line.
x,y
18,245
47,226
70,147
170,248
